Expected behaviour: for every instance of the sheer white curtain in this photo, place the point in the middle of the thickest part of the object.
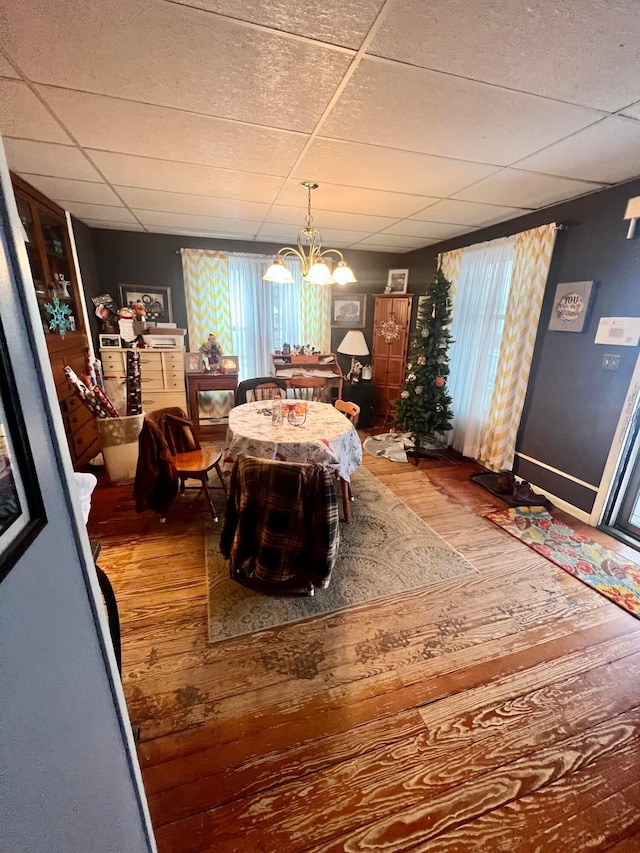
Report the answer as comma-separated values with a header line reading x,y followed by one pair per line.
x,y
479,310
264,314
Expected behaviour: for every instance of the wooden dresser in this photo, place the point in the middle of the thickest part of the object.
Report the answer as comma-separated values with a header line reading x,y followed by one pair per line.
x,y
392,316
162,376
48,248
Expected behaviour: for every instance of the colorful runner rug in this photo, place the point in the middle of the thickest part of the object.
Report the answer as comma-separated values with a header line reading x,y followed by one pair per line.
x,y
600,568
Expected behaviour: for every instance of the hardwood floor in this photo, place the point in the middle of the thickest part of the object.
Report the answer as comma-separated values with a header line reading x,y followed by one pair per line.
x,y
497,712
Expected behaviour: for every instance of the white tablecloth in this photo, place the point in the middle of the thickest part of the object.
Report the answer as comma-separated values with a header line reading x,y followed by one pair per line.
x,y
327,437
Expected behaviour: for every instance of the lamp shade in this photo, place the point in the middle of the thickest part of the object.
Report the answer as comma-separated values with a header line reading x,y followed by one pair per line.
x,y
354,343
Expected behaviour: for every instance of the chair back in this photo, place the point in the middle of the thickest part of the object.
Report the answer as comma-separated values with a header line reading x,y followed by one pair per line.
x,y
245,391
265,391
314,388
351,410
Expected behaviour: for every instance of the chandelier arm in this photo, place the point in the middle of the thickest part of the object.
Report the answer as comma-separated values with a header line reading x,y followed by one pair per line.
x,y
332,252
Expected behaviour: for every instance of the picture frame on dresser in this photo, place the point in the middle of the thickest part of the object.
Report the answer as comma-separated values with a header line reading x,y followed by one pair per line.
x,y
109,341
397,281
156,300
194,362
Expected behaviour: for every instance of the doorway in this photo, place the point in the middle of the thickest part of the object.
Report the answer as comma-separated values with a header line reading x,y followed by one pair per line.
x,y
622,514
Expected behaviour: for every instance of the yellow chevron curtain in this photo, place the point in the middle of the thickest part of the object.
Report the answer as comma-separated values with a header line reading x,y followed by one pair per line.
x,y
450,265
206,287
533,253
315,316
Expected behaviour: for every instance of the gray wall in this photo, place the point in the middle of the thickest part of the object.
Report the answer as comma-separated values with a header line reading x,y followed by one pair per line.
x,y
129,257
573,403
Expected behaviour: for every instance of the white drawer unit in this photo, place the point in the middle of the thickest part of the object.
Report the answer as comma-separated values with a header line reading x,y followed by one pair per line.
x,y
162,377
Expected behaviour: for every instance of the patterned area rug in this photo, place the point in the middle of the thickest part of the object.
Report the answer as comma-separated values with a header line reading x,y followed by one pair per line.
x,y
385,550
600,568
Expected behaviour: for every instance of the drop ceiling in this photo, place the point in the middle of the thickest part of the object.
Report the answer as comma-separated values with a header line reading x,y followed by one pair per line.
x,y
420,121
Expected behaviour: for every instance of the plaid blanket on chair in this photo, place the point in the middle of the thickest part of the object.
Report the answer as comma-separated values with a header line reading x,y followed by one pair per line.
x,y
281,521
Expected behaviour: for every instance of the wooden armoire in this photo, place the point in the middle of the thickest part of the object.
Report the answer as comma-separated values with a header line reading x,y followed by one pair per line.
x,y
390,344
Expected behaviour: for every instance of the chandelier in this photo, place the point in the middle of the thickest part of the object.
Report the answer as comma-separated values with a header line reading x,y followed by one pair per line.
x,y
311,255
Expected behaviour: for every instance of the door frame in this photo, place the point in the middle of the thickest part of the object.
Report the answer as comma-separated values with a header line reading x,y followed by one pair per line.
x,y
615,470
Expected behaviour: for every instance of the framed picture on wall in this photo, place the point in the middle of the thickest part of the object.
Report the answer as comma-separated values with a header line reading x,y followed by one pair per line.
x,y
348,310
397,281
156,300
570,306
22,513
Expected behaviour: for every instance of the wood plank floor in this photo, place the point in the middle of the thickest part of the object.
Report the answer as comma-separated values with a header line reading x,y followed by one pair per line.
x,y
497,712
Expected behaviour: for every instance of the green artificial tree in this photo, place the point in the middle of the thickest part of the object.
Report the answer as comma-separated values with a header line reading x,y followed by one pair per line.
x,y
424,406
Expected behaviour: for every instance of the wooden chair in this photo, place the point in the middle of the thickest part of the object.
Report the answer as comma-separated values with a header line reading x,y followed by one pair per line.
x,y
265,391
193,464
313,388
350,410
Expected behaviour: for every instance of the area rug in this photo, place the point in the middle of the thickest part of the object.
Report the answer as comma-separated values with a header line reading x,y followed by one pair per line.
x,y
385,550
600,568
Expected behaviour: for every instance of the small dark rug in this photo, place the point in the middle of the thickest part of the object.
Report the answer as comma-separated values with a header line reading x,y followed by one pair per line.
x,y
487,479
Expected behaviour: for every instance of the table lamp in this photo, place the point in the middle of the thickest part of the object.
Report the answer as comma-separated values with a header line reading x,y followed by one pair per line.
x,y
353,344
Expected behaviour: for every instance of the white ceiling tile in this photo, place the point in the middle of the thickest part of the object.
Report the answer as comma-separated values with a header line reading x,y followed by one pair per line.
x,y
6,69
130,128
391,241
354,200
62,190
448,116
170,55
103,213
580,52
196,204
374,247
329,219
146,173
112,226
430,230
373,167
525,189
633,110
580,155
180,221
194,232
469,213
276,231
47,158
334,22
22,115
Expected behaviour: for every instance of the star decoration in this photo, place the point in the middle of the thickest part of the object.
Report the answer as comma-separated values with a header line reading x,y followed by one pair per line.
x,y
59,316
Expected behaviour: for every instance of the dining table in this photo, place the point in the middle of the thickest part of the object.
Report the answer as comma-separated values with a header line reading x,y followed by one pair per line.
x,y
324,436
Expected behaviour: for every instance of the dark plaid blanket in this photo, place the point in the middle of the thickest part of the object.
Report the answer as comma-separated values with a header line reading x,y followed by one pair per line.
x,y
281,521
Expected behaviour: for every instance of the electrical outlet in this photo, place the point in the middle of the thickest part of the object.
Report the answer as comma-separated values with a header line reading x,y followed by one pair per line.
x,y
610,361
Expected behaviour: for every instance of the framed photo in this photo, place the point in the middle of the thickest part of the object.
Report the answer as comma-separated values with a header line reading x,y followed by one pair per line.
x,y
570,306
109,341
397,281
22,514
229,363
156,300
194,362
348,310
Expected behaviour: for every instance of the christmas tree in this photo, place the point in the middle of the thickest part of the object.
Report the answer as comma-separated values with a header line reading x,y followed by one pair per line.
x,y
424,406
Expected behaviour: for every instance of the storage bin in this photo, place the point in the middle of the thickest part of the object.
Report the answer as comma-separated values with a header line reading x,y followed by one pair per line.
x,y
119,443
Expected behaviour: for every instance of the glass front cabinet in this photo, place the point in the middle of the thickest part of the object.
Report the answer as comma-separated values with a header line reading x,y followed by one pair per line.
x,y
51,260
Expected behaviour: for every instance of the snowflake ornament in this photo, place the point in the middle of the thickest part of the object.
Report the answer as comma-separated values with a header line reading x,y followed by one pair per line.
x,y
389,330
59,316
